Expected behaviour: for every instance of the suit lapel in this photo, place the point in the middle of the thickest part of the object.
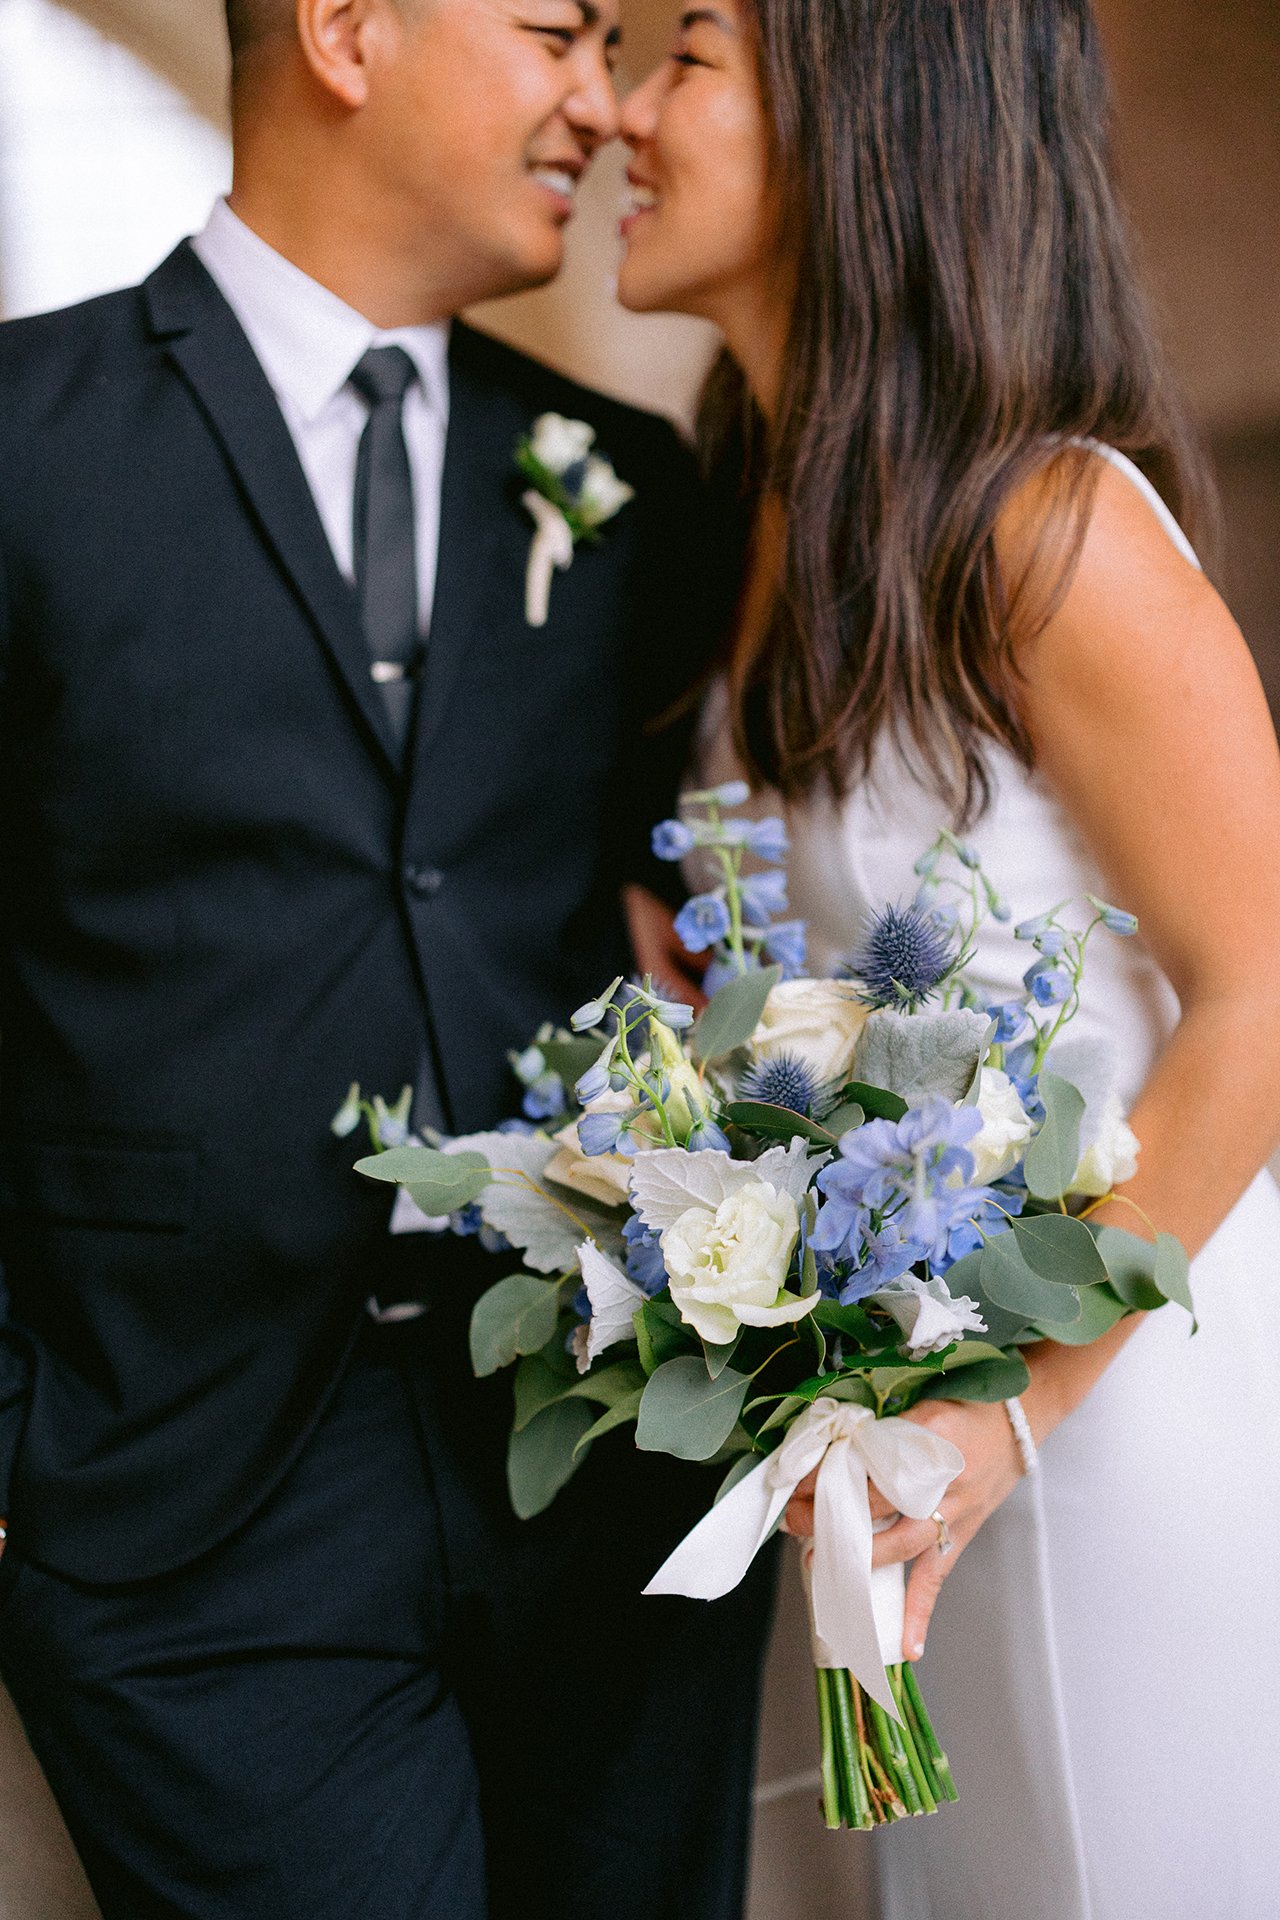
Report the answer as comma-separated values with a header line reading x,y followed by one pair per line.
x,y
484,532
206,342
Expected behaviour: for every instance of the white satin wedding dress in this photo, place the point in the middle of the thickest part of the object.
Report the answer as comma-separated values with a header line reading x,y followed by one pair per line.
x,y
1104,1664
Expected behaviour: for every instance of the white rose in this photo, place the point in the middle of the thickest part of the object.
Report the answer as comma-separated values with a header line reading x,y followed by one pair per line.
x,y
1111,1158
728,1269
1007,1132
818,1022
601,1176
930,1318
603,494
559,443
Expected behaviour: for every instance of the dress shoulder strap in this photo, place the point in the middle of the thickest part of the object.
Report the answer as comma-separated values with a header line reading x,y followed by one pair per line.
x,y
1123,464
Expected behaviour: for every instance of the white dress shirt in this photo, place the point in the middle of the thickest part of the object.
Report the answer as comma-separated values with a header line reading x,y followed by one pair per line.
x,y
309,343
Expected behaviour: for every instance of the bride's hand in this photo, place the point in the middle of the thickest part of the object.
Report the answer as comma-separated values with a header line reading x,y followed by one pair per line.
x,y
993,1467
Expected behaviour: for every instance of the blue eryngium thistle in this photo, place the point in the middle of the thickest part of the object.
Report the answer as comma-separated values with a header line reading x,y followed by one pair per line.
x,y
904,957
782,1082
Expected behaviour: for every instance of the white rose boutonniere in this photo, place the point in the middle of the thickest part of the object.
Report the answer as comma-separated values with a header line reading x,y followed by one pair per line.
x,y
572,493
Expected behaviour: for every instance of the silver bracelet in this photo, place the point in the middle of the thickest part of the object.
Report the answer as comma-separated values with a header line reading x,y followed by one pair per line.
x,y
1022,1434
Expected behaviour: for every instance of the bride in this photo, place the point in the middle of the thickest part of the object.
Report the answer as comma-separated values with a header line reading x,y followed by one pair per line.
x,y
971,598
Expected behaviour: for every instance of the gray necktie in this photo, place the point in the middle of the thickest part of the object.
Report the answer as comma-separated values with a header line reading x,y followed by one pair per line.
x,y
386,554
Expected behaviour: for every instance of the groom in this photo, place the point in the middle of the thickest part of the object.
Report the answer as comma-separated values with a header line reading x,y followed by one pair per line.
x,y
292,795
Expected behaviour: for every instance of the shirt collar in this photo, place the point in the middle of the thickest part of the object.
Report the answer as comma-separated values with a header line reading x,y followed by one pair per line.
x,y
308,340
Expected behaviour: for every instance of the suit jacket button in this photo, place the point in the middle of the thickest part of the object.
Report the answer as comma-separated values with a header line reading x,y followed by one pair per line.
x,y
424,883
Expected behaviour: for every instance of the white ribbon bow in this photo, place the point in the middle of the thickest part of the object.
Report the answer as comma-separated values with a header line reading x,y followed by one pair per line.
x,y
552,547
856,1614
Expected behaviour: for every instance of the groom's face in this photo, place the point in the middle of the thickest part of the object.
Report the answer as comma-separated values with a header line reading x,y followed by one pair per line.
x,y
481,118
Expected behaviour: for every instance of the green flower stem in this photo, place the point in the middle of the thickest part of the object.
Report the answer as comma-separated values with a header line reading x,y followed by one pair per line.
x,y
832,1811
920,1770
856,1793
893,1753
937,1758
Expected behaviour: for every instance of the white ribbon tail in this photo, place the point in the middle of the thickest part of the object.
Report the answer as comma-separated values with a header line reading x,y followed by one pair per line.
x,y
713,1559
552,547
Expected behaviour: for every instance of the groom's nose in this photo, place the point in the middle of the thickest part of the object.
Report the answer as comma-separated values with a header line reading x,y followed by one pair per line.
x,y
592,108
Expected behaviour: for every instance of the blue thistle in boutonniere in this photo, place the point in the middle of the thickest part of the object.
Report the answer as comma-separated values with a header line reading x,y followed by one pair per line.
x,y
572,493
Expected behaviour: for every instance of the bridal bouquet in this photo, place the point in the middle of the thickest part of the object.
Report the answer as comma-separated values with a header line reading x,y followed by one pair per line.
x,y
762,1236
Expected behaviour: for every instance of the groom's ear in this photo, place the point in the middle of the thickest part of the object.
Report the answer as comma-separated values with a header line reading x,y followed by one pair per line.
x,y
342,40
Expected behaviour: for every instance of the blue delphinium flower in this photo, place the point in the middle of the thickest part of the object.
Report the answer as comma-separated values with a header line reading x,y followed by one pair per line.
x,y
782,1082
702,922
600,1132
595,1082
1049,984
764,897
903,958
674,1014
1010,1018
705,1136
986,1222
768,839
732,793
545,1098
672,840
1117,921
644,1256
787,944
886,1256
917,1168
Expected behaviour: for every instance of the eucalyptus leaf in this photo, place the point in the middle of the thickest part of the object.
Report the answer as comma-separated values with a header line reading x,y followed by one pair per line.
x,y
734,1014
1100,1310
542,1456
788,1406
855,1323
846,1118
1173,1272
1060,1248
779,1123
685,1413
440,1183
1131,1265
923,1053
570,1058
1003,1378
517,1316
657,1338
886,1381
1007,1279
607,1386
538,1384
547,1228
968,1354
618,1415
874,1103
1003,1327
718,1358
1054,1154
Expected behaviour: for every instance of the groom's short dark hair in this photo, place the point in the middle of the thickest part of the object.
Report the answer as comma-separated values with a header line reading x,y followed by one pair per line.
x,y
249,21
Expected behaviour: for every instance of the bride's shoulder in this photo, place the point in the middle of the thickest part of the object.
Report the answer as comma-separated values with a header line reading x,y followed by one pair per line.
x,y
1121,597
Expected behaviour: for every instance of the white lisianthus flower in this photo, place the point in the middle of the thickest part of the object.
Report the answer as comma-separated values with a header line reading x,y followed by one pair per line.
x,y
614,1299
601,1176
930,1318
558,444
818,1022
1007,1131
1111,1157
728,1269
602,494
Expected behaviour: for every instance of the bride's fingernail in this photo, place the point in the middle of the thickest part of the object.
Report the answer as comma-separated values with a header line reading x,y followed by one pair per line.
x,y
917,1649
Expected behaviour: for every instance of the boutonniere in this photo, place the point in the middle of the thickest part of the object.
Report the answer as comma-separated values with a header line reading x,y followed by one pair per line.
x,y
571,495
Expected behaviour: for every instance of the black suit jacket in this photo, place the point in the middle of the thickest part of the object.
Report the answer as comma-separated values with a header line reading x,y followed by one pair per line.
x,y
222,900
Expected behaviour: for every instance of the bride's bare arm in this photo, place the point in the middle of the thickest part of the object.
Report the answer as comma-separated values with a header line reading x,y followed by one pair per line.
x,y
1151,727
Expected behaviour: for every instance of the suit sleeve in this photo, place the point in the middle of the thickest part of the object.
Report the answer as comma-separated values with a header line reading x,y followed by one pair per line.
x,y
693,562
14,1367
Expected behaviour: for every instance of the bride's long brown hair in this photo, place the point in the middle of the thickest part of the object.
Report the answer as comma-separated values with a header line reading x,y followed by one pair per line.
x,y
968,311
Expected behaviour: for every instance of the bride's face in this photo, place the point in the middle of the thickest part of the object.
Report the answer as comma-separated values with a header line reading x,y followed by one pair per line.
x,y
703,233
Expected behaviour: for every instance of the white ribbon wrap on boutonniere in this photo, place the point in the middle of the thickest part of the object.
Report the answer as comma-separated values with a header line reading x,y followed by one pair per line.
x,y
552,547
856,1612
573,492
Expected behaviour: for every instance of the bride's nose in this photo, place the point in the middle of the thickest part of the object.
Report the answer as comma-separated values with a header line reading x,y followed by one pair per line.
x,y
640,110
